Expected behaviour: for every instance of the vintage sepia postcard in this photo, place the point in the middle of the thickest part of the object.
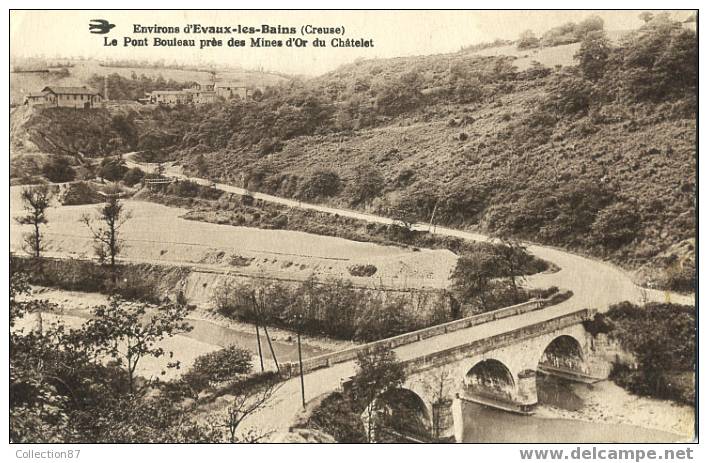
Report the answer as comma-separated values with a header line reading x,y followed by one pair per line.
x,y
362,226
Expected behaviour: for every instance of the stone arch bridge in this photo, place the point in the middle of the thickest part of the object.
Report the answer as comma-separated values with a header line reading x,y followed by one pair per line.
x,y
500,371
492,359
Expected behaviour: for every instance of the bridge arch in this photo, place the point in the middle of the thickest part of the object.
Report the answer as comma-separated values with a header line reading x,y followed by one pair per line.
x,y
491,378
563,354
399,413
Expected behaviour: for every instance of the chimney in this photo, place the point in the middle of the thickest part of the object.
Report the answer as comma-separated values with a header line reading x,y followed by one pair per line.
x,y
105,88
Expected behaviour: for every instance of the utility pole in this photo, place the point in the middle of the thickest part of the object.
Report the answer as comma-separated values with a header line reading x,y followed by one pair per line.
x,y
258,339
299,355
432,216
265,329
272,351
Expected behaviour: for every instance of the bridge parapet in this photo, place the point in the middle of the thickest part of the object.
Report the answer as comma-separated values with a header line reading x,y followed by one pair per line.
x,y
495,342
345,355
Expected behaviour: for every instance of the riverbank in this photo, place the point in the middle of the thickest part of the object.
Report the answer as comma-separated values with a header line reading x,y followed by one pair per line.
x,y
607,403
80,304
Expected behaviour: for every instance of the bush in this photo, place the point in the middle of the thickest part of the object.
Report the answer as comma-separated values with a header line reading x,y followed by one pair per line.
x,y
616,225
334,308
366,185
527,40
190,189
218,366
362,270
572,95
133,176
58,170
663,339
80,193
320,184
336,416
112,169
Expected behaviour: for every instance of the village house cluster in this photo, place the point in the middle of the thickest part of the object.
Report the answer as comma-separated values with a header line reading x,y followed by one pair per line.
x,y
87,98
65,97
200,93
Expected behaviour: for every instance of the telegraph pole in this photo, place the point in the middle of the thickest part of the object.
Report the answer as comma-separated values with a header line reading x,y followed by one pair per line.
x,y
258,339
258,333
265,329
299,355
432,216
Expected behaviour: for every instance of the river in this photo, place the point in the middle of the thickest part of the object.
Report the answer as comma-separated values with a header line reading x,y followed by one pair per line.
x,y
205,337
211,333
487,425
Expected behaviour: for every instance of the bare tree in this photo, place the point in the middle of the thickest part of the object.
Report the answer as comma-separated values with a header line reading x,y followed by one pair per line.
x,y
245,403
439,389
35,201
105,228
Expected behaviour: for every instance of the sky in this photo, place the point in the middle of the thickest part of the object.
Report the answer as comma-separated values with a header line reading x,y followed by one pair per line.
x,y
54,34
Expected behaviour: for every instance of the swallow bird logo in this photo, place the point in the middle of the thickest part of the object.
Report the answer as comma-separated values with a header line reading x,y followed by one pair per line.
x,y
100,26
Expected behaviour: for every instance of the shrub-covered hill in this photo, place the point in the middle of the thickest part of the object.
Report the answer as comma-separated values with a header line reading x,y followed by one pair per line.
x,y
598,157
68,131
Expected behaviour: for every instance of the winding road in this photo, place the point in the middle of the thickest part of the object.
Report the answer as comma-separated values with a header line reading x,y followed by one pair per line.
x,y
595,284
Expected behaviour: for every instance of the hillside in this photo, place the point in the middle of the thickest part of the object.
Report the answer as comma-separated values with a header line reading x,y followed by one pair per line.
x,y
597,157
599,162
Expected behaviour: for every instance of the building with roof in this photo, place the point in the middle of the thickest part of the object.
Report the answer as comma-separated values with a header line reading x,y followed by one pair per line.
x,y
199,93
170,97
67,97
229,90
204,86
35,99
202,93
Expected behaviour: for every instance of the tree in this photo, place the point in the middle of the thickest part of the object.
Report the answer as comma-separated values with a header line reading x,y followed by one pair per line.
x,y
111,217
471,279
527,40
337,417
35,201
593,54
378,374
660,61
511,256
124,126
591,24
201,164
131,332
646,16
439,387
405,212
571,96
247,400
62,389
